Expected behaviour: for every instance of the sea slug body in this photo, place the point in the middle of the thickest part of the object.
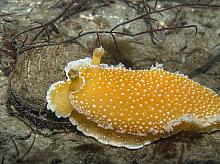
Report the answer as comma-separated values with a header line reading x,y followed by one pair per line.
x,y
131,108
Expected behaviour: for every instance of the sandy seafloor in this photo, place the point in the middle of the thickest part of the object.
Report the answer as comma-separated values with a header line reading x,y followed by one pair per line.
x,y
178,51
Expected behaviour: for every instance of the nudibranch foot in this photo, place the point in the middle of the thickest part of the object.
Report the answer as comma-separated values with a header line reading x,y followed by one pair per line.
x,y
132,108
58,99
107,136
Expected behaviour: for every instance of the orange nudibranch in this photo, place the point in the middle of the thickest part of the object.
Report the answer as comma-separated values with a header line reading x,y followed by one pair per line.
x,y
131,108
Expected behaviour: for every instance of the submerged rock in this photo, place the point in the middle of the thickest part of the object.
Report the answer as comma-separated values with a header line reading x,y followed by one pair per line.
x,y
33,73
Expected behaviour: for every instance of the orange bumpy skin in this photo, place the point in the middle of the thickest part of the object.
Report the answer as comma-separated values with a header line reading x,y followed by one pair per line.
x,y
132,108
